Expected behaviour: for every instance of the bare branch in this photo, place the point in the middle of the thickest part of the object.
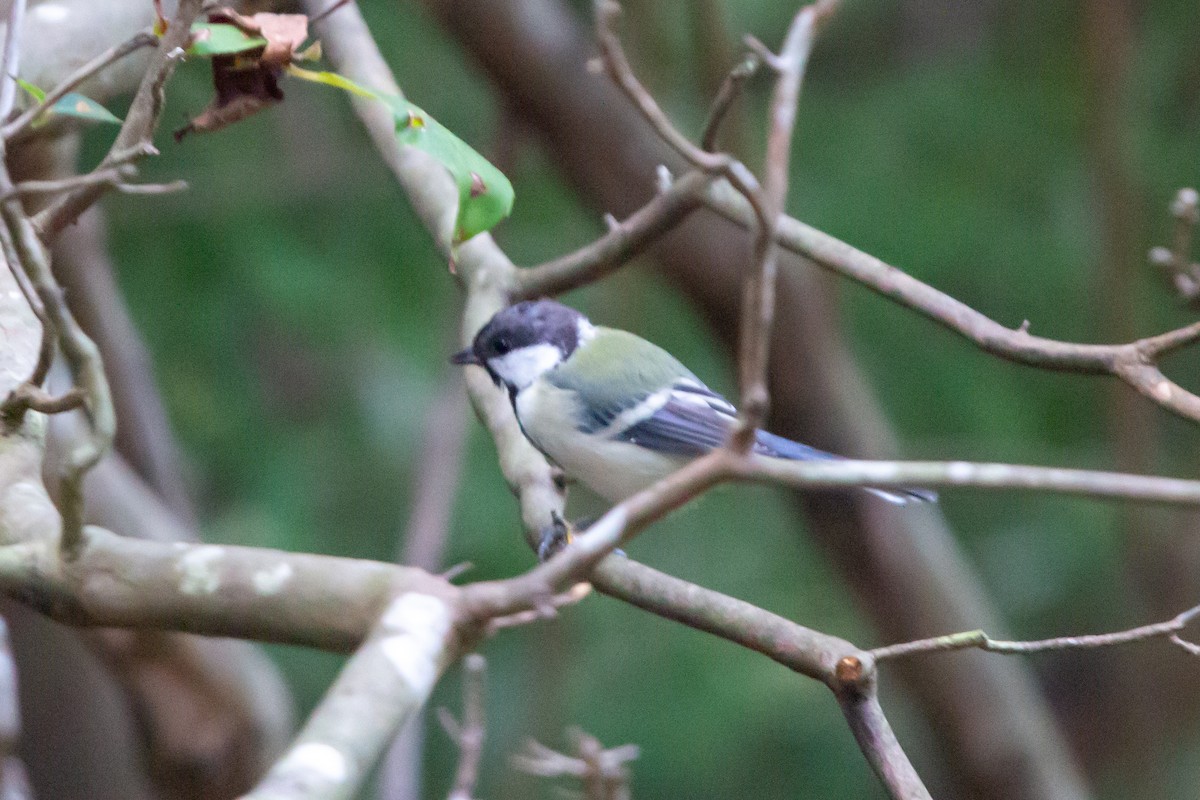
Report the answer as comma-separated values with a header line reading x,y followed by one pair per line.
x,y
980,640
614,62
602,772
1132,362
859,700
623,241
758,307
30,397
382,685
329,603
939,474
545,609
82,356
730,89
72,81
468,736
114,178
137,133
803,650
46,348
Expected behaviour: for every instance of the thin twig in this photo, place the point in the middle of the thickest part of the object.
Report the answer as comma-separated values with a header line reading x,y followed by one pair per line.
x,y
1185,208
136,135
115,178
28,397
731,89
602,772
72,81
12,58
759,304
980,640
170,187
622,242
35,187
1177,259
616,64
544,610
468,736
82,356
1132,362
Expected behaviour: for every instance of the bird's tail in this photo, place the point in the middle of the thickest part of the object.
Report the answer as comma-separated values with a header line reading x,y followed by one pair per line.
x,y
769,444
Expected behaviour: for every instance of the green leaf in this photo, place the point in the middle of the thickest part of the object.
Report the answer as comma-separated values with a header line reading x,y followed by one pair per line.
x,y
37,94
71,104
221,39
76,105
485,195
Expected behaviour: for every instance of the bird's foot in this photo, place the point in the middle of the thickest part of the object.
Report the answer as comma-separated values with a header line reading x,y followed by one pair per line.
x,y
555,536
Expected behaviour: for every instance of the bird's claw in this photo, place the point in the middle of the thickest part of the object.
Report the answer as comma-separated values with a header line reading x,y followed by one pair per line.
x,y
555,536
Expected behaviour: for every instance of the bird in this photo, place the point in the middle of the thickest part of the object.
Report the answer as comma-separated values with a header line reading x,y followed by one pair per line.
x,y
614,411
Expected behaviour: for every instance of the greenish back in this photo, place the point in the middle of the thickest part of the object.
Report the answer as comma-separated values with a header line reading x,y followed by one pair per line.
x,y
622,370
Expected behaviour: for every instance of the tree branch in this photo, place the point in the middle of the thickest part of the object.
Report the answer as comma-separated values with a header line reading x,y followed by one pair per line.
x,y
729,91
1132,362
382,685
468,736
758,305
622,242
980,640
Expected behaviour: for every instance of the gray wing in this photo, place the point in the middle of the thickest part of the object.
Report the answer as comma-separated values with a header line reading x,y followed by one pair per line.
x,y
690,419
687,420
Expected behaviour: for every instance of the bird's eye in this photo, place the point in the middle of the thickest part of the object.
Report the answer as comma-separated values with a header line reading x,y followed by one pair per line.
x,y
503,346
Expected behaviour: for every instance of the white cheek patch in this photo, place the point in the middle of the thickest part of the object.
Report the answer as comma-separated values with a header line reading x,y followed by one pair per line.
x,y
524,365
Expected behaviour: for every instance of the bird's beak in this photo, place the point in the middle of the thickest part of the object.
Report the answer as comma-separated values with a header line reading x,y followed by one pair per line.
x,y
464,357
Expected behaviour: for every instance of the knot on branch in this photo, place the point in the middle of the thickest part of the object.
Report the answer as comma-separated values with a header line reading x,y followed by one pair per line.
x,y
853,675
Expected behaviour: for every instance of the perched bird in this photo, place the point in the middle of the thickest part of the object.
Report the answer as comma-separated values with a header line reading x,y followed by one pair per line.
x,y
614,411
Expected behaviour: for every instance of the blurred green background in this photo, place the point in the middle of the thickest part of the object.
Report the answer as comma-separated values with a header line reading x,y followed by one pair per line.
x,y
300,321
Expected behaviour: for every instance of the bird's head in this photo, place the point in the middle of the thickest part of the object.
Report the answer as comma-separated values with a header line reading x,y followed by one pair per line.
x,y
524,341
